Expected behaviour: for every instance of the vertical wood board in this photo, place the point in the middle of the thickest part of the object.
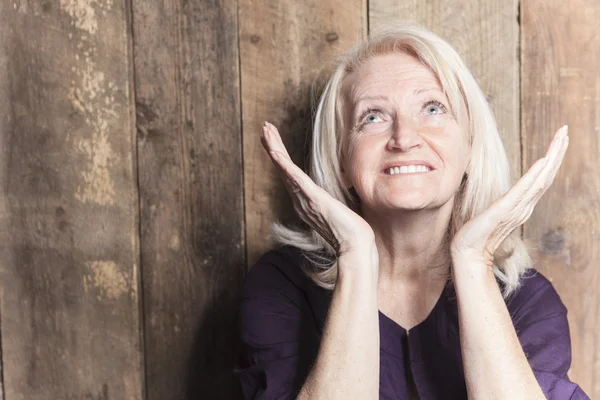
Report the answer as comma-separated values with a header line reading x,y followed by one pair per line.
x,y
284,45
560,45
68,220
5,30
192,215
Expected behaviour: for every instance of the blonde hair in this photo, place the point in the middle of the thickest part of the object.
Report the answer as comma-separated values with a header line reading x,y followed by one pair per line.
x,y
486,179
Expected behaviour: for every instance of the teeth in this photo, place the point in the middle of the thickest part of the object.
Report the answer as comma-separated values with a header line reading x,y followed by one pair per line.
x,y
407,169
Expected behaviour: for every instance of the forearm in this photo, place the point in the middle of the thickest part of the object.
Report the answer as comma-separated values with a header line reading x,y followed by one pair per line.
x,y
494,363
347,365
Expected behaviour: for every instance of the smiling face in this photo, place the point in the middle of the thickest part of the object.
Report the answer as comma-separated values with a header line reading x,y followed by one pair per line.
x,y
397,113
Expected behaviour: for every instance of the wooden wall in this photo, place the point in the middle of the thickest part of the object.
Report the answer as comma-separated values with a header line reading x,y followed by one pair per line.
x,y
135,192
560,83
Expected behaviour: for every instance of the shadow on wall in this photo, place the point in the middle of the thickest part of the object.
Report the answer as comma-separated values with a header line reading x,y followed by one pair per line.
x,y
217,348
214,352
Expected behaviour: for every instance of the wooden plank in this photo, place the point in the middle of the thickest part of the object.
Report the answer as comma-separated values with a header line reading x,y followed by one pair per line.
x,y
282,45
68,209
486,34
190,168
560,49
1,372
4,92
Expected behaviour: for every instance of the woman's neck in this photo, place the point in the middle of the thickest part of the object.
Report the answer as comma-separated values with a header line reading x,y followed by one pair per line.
x,y
413,245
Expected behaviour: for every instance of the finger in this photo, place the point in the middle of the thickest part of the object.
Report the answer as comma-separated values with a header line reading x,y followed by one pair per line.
x,y
555,156
278,142
559,156
526,183
556,148
271,141
551,176
265,139
532,183
294,178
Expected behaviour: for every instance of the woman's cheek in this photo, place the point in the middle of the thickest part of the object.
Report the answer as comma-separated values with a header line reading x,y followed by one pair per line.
x,y
434,121
359,169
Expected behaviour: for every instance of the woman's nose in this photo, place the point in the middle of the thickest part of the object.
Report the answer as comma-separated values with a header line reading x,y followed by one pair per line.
x,y
404,136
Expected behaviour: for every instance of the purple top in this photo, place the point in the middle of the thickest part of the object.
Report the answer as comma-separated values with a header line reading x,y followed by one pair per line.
x,y
283,313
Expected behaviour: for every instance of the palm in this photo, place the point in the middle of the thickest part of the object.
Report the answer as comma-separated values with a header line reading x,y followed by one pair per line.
x,y
341,227
483,234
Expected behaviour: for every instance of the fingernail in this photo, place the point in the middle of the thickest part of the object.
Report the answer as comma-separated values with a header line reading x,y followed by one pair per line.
x,y
274,154
565,130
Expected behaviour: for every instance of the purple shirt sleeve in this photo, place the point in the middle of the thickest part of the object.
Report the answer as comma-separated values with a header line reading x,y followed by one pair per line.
x,y
275,323
540,319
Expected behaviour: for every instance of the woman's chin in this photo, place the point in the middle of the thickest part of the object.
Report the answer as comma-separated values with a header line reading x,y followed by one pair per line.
x,y
407,205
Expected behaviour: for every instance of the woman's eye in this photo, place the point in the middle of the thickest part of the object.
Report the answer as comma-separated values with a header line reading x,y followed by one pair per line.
x,y
435,107
371,118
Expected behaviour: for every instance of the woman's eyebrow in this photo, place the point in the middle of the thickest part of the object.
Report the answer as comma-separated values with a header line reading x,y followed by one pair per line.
x,y
364,98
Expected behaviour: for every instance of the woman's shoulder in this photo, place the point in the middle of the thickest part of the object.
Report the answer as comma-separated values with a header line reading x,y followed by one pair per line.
x,y
277,285
284,262
277,270
535,299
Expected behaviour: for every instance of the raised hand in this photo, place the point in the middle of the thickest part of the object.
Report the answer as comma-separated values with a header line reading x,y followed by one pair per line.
x,y
341,227
482,235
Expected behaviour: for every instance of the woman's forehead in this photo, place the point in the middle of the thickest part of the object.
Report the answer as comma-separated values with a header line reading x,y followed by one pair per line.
x,y
397,72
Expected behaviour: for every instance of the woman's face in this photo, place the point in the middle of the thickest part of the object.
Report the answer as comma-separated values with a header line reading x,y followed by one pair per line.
x,y
396,113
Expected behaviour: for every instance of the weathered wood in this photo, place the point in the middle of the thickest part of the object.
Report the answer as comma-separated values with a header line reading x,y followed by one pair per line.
x,y
283,45
1,372
4,104
486,34
560,49
68,220
192,216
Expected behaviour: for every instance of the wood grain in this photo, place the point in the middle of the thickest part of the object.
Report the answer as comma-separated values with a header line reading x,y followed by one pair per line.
x,y
486,34
1,371
560,44
192,215
283,46
68,210
4,104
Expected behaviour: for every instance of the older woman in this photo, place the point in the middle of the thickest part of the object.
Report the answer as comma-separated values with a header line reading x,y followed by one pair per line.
x,y
411,282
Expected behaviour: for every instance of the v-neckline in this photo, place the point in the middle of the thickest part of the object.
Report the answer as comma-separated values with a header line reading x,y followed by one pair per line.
x,y
392,334
427,318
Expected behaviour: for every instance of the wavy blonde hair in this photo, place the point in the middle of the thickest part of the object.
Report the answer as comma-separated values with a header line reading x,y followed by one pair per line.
x,y
486,179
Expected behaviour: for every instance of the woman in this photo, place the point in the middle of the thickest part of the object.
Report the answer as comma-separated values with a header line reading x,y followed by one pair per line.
x,y
412,281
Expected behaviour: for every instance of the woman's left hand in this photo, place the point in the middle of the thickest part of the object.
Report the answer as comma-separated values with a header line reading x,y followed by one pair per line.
x,y
481,236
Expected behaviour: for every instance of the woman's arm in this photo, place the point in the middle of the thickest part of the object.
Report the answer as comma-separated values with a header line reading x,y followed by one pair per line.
x,y
347,366
494,363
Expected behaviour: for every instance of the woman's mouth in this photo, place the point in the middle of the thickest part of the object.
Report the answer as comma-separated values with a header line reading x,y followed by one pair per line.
x,y
407,170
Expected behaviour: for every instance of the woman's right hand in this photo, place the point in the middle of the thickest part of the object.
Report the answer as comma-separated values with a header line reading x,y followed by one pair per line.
x,y
341,227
